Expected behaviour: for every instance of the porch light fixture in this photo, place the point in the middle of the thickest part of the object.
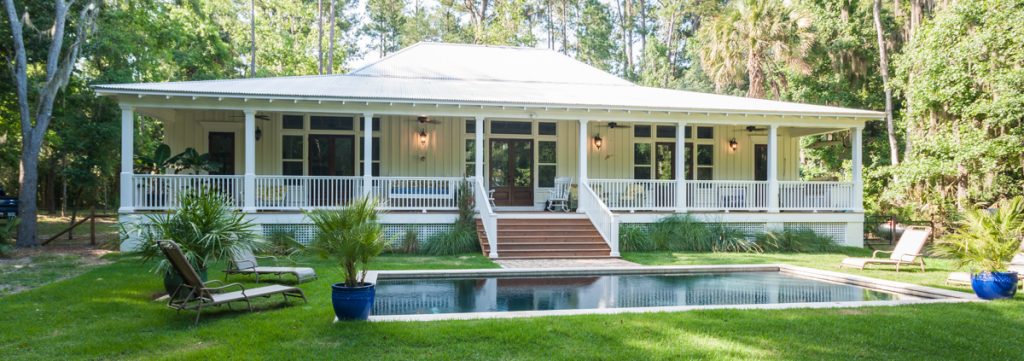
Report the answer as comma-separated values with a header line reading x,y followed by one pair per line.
x,y
423,137
733,145
598,142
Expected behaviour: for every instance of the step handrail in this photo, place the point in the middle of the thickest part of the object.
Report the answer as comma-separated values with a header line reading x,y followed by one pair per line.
x,y
604,220
487,216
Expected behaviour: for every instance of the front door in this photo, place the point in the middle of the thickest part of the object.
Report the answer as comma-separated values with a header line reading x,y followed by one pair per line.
x,y
511,172
760,162
332,155
222,152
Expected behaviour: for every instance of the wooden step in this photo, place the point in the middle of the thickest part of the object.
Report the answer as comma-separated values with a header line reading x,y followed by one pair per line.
x,y
536,222
548,239
551,253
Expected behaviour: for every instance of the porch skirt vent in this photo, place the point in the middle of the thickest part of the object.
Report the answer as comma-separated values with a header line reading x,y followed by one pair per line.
x,y
304,233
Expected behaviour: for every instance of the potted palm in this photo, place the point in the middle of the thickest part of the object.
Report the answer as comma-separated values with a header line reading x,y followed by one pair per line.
x,y
351,236
206,229
985,243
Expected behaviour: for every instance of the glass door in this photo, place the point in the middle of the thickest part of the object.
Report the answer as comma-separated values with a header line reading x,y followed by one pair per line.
x,y
511,172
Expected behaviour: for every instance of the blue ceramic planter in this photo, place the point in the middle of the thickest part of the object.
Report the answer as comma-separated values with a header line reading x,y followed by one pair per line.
x,y
352,303
994,285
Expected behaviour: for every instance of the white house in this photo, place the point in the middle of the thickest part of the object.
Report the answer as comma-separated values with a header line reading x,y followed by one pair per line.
x,y
411,127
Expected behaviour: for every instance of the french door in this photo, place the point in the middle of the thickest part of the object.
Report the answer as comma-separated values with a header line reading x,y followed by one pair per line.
x,y
511,171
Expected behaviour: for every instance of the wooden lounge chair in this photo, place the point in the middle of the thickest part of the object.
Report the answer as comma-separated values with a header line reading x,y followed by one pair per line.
x,y
964,278
246,263
907,251
200,294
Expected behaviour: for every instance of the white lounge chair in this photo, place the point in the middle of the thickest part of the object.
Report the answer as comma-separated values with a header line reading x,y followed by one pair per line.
x,y
907,251
246,263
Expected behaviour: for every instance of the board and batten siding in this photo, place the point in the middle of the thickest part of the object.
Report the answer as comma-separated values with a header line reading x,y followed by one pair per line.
x,y
443,155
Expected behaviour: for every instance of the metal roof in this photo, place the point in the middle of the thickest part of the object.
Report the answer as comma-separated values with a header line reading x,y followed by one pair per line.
x,y
484,75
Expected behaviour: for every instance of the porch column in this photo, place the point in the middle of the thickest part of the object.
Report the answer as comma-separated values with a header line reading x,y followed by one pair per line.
x,y
478,166
584,145
367,153
773,169
858,181
681,168
249,194
127,157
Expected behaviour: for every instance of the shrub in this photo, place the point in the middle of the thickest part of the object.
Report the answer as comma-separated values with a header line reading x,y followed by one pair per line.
x,y
681,233
7,239
281,243
730,239
410,241
633,238
460,239
796,240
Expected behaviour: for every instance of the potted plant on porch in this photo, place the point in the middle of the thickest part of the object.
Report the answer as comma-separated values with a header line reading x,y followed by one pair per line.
x,y
985,243
351,236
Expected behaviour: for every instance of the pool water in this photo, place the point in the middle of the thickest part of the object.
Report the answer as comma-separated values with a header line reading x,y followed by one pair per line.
x,y
497,294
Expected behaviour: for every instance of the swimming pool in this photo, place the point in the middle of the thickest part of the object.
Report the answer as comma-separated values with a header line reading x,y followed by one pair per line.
x,y
426,295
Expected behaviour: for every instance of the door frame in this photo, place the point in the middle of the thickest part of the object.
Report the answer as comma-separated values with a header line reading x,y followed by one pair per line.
x,y
355,158
511,201
234,150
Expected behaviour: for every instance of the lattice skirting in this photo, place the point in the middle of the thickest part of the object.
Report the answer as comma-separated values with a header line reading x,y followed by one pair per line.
x,y
304,233
751,228
834,230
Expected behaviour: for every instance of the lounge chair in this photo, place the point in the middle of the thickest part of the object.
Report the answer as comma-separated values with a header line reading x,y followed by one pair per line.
x,y
964,278
907,251
201,295
246,263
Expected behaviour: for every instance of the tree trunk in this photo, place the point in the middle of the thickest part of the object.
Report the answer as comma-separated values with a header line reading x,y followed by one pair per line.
x,y
320,36
252,38
755,74
27,197
883,67
330,47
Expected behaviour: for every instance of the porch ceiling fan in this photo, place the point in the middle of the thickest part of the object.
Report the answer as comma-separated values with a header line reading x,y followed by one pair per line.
x,y
755,130
426,120
258,116
616,125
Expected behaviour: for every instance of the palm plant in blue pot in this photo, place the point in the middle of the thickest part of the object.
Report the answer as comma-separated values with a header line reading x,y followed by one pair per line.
x,y
985,243
351,236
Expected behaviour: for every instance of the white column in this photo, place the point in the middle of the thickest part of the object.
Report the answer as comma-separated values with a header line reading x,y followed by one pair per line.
x,y
858,182
773,169
478,160
681,168
584,145
127,157
367,153
249,195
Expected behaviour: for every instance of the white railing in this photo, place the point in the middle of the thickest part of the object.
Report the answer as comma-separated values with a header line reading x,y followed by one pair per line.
x,y
487,215
281,192
604,220
418,193
161,191
825,196
636,194
727,195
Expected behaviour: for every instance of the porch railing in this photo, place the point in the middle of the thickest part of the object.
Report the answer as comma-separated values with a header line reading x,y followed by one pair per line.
x,y
162,191
726,195
604,220
419,193
636,194
277,192
815,196
487,216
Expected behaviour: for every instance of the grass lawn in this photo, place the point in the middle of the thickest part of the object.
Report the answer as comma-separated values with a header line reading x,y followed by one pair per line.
x,y
108,313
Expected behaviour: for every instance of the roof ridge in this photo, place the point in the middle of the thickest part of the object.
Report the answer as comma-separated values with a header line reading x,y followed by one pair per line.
x,y
627,83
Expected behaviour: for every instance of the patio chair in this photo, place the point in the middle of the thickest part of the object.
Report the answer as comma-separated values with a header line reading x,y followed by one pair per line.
x,y
558,200
200,294
245,262
964,278
907,251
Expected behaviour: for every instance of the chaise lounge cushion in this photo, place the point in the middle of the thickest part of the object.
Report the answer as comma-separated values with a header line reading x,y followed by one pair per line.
x,y
302,273
254,292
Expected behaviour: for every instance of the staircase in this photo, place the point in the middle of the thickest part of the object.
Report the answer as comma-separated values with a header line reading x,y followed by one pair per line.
x,y
546,238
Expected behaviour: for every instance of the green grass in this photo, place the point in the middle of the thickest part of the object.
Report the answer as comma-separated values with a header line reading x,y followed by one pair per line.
x,y
107,313
25,273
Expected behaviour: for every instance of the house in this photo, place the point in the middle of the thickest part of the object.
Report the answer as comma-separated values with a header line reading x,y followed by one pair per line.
x,y
411,127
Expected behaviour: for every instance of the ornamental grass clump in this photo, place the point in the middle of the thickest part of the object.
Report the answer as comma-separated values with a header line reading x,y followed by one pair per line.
x,y
461,238
351,236
796,240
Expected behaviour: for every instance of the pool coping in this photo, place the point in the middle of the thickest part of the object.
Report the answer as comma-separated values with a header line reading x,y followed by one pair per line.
x,y
926,294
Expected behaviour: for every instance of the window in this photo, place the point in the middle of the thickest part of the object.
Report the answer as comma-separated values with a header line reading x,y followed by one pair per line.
x,y
330,123
642,161
374,124
642,131
546,159
666,131
705,132
470,157
512,128
292,122
705,161
291,154
470,126
375,158
547,129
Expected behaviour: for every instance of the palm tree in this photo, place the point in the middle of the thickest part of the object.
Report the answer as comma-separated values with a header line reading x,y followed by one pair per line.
x,y
752,42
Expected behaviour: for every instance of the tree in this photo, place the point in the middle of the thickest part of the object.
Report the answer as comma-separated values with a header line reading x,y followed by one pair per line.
x,y
386,26
252,38
883,68
60,62
596,44
755,40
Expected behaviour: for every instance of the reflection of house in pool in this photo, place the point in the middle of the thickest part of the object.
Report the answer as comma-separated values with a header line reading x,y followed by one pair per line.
x,y
398,297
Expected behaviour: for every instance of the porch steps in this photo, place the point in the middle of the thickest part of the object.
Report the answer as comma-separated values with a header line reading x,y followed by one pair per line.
x,y
546,238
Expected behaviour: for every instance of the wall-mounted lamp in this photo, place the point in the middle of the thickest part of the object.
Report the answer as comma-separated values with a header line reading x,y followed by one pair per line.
x,y
733,145
423,137
598,142
259,133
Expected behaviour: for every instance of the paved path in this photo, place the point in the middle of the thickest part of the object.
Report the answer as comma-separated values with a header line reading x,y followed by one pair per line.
x,y
562,263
